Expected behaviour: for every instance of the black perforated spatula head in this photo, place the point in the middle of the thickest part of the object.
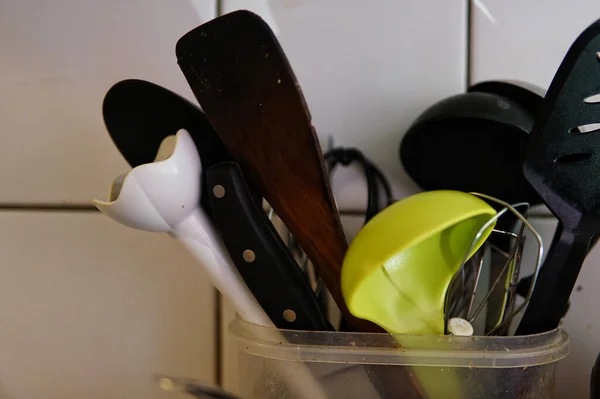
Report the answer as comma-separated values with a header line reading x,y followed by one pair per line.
x,y
563,164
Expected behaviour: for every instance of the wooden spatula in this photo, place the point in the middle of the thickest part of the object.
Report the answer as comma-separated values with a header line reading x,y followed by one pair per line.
x,y
247,89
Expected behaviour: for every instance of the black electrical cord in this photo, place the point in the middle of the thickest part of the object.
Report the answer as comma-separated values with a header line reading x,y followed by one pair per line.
x,y
374,176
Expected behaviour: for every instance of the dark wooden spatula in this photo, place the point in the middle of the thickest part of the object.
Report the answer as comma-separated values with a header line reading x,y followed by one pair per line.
x,y
247,89
562,163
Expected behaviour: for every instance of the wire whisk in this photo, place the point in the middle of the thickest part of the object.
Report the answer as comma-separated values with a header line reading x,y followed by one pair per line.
x,y
500,300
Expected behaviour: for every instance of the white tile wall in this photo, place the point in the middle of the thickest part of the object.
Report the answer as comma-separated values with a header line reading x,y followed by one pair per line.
x,y
526,40
80,294
88,307
92,309
58,60
368,69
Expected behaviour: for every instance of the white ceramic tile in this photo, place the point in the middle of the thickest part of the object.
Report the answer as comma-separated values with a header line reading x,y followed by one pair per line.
x,y
260,7
526,40
368,69
352,225
545,226
58,60
92,309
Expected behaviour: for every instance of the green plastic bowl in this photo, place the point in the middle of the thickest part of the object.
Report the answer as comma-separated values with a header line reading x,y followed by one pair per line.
x,y
398,268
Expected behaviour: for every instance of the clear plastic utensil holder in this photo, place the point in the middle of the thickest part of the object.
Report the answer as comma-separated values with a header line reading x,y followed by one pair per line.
x,y
297,364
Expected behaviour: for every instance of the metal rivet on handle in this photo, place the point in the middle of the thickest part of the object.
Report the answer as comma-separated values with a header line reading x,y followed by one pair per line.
x,y
249,255
219,191
289,315
166,384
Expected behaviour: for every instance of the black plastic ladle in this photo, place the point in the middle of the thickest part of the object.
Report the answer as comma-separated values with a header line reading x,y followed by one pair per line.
x,y
474,141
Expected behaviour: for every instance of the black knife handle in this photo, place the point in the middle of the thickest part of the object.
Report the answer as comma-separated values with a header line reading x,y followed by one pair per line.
x,y
262,258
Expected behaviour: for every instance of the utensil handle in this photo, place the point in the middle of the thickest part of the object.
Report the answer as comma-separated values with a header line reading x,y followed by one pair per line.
x,y
555,283
200,238
259,254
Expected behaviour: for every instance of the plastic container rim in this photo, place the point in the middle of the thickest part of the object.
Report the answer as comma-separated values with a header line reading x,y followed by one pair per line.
x,y
407,350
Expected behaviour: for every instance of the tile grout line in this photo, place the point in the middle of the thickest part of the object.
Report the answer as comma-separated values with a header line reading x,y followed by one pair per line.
x,y
83,208
8,206
50,207
218,7
218,338
469,47
219,341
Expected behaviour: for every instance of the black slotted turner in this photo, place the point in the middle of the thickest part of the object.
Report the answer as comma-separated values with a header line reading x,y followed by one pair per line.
x,y
562,163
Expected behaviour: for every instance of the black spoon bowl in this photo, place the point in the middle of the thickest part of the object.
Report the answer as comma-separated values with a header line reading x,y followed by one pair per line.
x,y
474,141
139,115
